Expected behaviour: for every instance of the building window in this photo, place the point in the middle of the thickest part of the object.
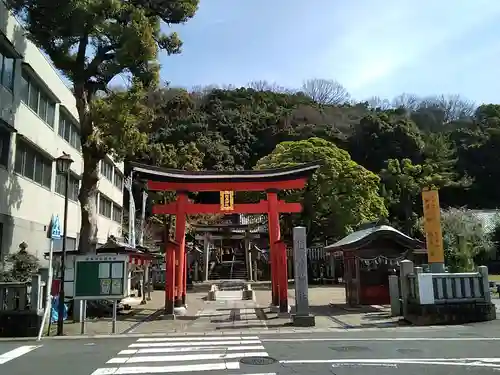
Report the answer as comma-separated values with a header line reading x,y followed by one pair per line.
x,y
37,100
73,188
105,206
70,244
4,146
69,131
118,180
117,213
32,164
107,169
7,70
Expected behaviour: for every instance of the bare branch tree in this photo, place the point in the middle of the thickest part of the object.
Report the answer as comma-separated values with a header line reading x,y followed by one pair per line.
x,y
410,102
260,85
263,85
325,91
376,102
453,106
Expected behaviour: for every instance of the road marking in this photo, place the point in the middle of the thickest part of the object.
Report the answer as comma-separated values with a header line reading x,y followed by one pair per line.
x,y
184,354
189,343
184,357
470,362
386,339
22,350
203,338
167,369
189,349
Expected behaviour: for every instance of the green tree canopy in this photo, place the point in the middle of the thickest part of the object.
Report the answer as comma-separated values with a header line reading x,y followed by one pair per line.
x,y
383,136
465,239
339,197
91,42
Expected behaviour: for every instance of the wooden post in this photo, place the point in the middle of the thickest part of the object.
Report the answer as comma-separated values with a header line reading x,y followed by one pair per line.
x,y
170,274
180,238
274,236
280,248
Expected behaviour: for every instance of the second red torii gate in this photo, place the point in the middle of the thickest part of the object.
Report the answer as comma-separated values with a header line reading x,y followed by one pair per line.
x,y
182,182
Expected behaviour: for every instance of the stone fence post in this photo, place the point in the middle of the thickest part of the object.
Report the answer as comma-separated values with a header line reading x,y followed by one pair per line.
x,y
36,295
406,268
483,270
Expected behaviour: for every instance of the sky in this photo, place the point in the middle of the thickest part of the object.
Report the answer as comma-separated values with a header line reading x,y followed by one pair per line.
x,y
373,48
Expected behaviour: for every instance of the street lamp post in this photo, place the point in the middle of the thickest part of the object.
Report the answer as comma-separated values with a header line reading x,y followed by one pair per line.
x,y
63,165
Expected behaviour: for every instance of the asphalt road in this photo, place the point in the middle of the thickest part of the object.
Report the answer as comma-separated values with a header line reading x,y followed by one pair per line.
x,y
472,349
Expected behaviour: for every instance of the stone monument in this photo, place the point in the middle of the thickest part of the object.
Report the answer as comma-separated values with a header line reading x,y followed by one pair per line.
x,y
301,318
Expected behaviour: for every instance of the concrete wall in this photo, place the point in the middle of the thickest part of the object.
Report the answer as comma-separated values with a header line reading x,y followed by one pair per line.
x,y
26,207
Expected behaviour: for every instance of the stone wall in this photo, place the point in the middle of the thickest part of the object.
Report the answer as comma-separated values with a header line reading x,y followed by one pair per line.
x,y
450,313
20,323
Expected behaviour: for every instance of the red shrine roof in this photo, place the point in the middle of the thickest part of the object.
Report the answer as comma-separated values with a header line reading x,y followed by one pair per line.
x,y
150,172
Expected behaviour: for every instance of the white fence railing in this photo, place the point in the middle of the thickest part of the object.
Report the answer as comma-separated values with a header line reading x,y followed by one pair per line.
x,y
441,288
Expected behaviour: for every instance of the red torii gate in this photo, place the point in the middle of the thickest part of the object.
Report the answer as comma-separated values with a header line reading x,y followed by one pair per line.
x,y
182,182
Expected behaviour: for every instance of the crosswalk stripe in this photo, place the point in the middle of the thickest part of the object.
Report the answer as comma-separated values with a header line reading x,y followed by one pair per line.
x,y
204,338
188,343
17,352
167,369
184,357
184,354
189,349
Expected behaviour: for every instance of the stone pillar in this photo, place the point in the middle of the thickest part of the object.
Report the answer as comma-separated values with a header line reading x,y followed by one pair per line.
x,y
255,270
144,285
406,268
206,256
395,295
301,318
248,258
149,281
36,297
483,270
196,270
332,268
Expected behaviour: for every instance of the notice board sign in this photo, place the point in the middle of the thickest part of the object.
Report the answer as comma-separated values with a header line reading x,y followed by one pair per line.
x,y
100,277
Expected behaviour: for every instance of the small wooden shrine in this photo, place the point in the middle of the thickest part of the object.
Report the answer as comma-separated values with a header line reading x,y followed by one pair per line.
x,y
370,255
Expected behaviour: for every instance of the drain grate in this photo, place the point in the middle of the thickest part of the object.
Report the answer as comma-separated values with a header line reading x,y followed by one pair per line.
x,y
350,348
258,361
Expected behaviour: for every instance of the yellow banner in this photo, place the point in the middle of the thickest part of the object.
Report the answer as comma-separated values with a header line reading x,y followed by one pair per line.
x,y
432,226
227,200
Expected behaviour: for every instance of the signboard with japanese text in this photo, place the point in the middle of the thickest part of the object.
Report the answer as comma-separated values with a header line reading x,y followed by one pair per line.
x,y
100,276
432,226
227,200
55,228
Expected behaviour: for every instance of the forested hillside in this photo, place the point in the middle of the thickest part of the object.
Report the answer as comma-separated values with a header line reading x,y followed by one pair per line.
x,y
403,144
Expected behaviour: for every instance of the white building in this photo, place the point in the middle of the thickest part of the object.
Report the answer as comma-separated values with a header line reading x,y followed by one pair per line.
x,y
38,122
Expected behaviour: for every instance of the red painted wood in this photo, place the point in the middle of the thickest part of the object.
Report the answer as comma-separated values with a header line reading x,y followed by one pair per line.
x,y
280,248
374,295
299,183
240,208
274,236
170,291
180,238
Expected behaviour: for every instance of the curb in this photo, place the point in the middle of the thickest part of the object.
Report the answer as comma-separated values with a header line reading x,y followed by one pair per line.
x,y
289,331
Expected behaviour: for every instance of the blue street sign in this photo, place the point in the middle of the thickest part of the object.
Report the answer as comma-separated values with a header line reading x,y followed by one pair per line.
x,y
55,232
